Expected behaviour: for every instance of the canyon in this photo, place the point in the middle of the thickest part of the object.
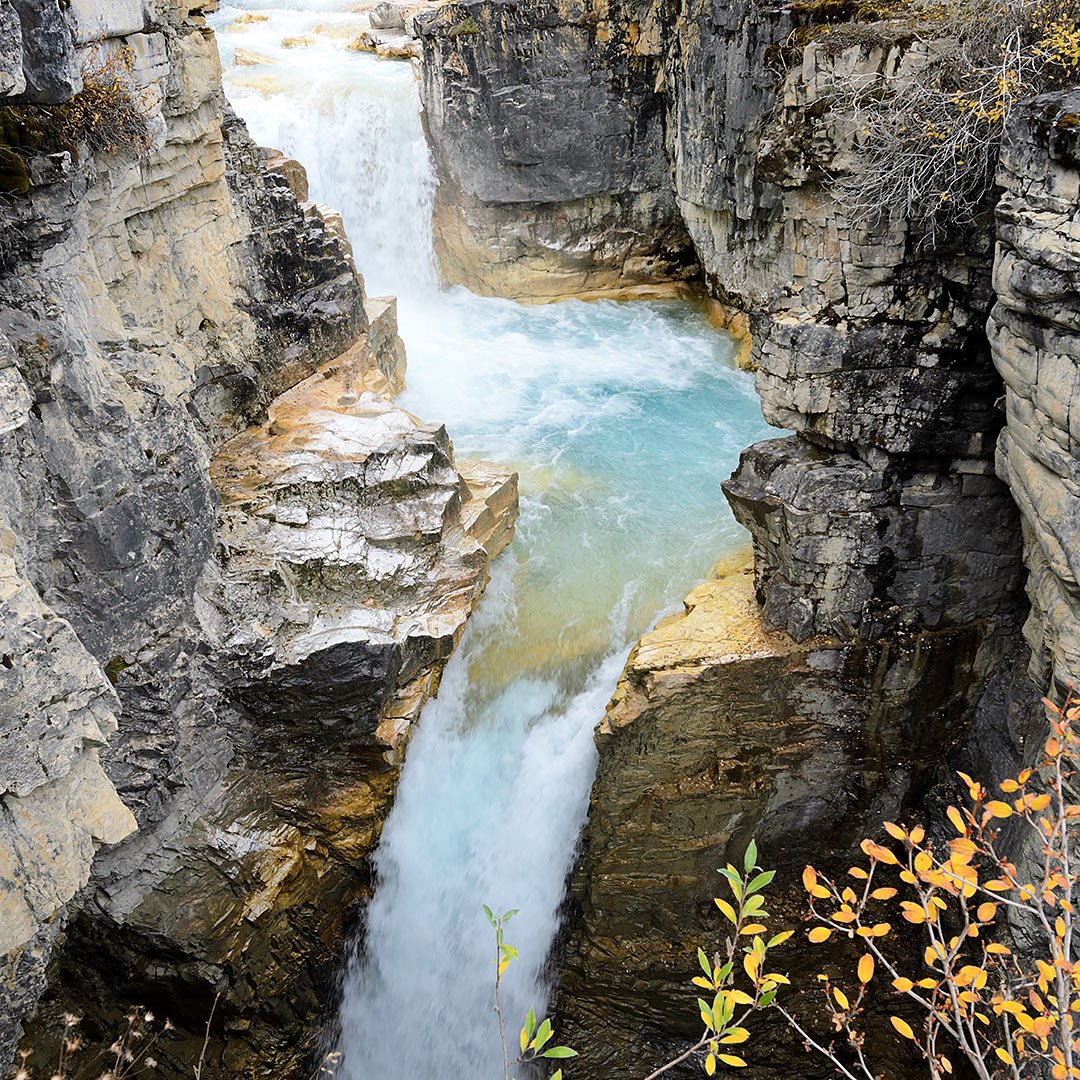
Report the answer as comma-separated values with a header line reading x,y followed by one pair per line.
x,y
236,571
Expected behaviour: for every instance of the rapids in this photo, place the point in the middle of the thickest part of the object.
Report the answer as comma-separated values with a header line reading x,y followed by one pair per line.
x,y
621,419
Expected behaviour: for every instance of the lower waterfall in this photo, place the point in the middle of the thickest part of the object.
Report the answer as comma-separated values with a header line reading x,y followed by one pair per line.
x,y
622,419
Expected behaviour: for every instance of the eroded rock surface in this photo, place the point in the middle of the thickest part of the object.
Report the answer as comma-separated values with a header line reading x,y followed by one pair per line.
x,y
547,131
1035,333
230,569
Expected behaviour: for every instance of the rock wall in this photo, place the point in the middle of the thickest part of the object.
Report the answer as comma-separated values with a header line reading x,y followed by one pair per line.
x,y
230,569
887,591
547,128
1035,333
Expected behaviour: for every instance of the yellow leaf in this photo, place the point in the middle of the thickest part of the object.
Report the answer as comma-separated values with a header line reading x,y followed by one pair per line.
x,y
902,984
903,1027
753,928
918,834
841,998
732,1060
703,983
986,912
866,968
1004,1055
809,879
735,1035
876,851
999,809
726,908
957,819
820,934
710,1064
998,950
913,912
894,831
882,894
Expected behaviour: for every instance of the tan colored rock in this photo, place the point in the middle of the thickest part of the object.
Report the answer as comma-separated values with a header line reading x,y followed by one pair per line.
x,y
303,41
249,18
295,174
250,58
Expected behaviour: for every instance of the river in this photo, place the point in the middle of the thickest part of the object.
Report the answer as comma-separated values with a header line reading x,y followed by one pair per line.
x,y
622,419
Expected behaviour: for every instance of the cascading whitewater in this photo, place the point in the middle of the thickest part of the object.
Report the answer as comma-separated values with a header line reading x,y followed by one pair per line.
x,y
621,420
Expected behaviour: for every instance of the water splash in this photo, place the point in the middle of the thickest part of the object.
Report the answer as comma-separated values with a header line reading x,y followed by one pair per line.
x,y
621,419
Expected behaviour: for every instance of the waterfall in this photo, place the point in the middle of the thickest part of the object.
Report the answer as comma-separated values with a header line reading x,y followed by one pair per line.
x,y
621,419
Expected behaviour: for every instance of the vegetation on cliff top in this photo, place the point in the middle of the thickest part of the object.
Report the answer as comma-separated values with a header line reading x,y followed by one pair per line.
x,y
109,115
928,131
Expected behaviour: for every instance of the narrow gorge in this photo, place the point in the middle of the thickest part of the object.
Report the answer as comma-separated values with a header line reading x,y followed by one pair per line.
x,y
375,383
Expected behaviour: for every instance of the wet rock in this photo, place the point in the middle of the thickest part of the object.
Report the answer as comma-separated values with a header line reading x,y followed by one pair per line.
x,y
251,58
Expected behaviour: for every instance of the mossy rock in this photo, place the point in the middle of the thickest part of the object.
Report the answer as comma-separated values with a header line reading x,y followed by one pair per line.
x,y
464,28
14,175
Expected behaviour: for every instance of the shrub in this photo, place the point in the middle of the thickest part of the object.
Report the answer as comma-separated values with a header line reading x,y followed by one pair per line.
x,y
927,140
109,115
982,1003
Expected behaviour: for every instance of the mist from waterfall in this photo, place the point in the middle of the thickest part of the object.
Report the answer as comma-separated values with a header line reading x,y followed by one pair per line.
x,y
621,420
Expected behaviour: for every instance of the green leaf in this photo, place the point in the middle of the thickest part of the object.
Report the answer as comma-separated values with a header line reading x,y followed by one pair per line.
x,y
530,1022
723,1008
543,1033
767,999
703,960
733,880
510,914
759,882
557,1075
750,858
725,971
560,1052
489,913
509,952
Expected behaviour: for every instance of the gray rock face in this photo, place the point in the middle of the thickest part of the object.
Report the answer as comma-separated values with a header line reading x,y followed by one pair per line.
x,y
51,71
849,549
187,589
1035,333
12,78
547,129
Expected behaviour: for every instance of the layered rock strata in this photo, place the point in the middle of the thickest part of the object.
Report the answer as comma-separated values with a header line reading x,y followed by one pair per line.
x,y
230,569
722,730
1035,333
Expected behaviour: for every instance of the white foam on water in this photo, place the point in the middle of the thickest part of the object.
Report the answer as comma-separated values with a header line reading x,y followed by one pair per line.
x,y
622,420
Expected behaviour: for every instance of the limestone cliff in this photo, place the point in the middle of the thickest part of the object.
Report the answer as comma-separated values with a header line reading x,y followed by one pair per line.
x,y
881,643
547,128
1035,333
231,570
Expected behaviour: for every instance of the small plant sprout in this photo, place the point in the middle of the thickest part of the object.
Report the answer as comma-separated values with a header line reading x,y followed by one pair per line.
x,y
534,1038
738,976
